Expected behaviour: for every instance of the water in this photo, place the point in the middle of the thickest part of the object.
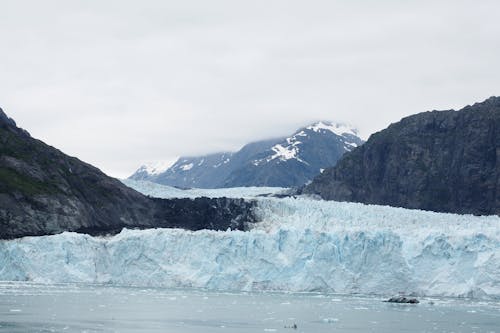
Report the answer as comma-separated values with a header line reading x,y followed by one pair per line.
x,y
27,307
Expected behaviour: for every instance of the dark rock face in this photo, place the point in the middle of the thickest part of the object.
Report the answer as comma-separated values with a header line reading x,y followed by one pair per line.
x,y
191,214
283,162
444,161
403,300
43,191
205,213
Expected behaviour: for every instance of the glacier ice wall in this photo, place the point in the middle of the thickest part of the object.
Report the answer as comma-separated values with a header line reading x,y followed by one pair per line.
x,y
300,245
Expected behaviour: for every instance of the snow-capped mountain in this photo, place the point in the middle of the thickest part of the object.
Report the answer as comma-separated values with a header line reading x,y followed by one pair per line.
x,y
151,169
283,162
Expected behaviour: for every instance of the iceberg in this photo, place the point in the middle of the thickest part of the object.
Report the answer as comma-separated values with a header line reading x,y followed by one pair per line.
x,y
299,245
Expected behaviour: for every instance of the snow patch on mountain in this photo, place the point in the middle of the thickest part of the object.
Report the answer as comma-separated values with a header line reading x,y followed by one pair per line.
x,y
225,161
290,151
291,148
155,168
338,129
352,144
186,167
285,153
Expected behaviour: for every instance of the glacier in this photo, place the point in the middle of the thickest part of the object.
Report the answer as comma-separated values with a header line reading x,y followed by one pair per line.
x,y
300,245
168,192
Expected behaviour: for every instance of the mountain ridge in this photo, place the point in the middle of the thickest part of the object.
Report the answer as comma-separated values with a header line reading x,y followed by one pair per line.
x,y
43,191
445,161
283,161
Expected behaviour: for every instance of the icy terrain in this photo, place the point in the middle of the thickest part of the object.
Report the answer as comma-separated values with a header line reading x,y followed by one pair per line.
x,y
301,245
168,192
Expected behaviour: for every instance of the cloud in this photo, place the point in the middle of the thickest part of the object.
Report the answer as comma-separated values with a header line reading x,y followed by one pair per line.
x,y
117,83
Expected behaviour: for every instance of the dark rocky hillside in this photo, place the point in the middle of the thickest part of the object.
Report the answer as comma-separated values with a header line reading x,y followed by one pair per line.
x,y
445,161
43,191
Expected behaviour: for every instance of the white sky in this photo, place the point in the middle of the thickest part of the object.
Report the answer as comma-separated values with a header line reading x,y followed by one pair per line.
x,y
120,83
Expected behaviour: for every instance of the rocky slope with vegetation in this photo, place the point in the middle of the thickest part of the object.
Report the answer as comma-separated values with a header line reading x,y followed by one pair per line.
x,y
43,191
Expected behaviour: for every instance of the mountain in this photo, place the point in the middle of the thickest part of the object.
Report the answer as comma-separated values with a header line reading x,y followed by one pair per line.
x,y
281,162
444,161
43,191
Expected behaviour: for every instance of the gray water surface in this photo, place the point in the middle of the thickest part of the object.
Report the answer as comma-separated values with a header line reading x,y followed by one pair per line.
x,y
28,307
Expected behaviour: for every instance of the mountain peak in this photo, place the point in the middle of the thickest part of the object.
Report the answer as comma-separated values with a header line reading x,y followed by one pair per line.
x,y
10,125
442,161
155,168
336,128
151,169
5,120
286,161
491,101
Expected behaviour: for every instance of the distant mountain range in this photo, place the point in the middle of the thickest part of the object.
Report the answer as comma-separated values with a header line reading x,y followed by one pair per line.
x,y
445,161
284,162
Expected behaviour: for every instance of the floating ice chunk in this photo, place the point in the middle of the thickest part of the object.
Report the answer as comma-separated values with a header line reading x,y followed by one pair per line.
x,y
330,320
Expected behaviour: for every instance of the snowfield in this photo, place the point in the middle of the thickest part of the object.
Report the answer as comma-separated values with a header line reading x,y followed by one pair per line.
x,y
169,192
301,245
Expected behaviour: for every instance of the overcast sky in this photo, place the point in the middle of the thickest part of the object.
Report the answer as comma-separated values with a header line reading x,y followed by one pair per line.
x,y
120,83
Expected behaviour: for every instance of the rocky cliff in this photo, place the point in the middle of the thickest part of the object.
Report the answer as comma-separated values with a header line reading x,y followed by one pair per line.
x,y
445,161
43,191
